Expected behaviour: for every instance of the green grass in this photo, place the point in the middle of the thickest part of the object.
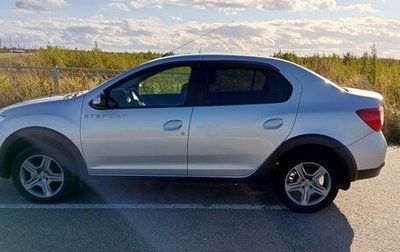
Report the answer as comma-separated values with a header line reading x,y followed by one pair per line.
x,y
365,72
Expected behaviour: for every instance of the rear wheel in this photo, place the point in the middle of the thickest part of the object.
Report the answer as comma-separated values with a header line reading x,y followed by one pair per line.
x,y
44,174
307,184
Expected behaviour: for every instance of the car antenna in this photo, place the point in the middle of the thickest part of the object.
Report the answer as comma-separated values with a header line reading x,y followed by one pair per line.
x,y
199,37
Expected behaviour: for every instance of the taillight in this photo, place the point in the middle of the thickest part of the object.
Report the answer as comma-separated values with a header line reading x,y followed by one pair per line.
x,y
373,117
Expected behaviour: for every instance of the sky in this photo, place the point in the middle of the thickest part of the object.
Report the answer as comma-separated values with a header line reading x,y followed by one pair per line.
x,y
258,27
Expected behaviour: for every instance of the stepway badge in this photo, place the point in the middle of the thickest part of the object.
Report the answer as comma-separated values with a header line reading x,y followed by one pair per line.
x,y
105,116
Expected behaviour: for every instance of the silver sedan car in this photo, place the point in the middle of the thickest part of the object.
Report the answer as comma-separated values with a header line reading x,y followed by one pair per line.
x,y
199,116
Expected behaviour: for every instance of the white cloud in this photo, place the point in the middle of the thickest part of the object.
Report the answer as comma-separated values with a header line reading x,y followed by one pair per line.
x,y
177,18
39,6
138,4
119,6
303,36
365,7
321,5
232,7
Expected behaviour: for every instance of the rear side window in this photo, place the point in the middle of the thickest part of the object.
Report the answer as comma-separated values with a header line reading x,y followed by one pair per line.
x,y
245,85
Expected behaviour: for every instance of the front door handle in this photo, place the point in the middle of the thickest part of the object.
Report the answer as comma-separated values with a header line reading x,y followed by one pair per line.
x,y
272,124
172,125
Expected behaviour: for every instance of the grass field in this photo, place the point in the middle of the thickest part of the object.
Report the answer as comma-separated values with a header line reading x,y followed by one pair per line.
x,y
366,72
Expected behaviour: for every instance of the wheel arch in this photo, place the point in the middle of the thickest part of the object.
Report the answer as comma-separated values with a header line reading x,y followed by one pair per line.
x,y
313,142
32,136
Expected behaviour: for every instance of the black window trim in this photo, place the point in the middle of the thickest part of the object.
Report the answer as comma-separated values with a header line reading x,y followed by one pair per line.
x,y
204,80
190,98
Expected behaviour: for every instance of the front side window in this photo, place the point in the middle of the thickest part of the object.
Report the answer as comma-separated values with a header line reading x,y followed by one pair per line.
x,y
245,85
163,88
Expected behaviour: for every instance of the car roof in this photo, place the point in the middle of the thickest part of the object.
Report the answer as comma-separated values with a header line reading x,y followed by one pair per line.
x,y
212,57
273,62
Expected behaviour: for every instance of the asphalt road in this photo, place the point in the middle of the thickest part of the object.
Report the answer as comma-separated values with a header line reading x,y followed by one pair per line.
x,y
131,215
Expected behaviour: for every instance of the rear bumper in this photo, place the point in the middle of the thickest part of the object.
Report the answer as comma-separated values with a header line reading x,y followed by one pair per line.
x,y
369,173
368,152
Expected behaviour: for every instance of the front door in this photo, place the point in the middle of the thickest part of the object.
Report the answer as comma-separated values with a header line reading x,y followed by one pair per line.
x,y
144,130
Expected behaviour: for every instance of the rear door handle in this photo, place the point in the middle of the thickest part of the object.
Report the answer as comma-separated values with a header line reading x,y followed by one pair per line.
x,y
274,123
172,125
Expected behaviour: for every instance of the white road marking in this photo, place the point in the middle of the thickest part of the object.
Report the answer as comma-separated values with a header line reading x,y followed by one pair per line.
x,y
140,206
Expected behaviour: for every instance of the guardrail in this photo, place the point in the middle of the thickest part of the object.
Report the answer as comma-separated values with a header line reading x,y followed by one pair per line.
x,y
18,83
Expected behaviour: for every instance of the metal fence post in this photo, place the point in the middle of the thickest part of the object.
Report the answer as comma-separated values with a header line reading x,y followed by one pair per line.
x,y
56,79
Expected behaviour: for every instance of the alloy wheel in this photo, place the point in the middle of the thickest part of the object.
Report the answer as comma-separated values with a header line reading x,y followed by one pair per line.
x,y
41,176
307,184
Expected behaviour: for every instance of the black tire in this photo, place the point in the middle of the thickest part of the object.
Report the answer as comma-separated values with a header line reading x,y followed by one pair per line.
x,y
286,173
61,167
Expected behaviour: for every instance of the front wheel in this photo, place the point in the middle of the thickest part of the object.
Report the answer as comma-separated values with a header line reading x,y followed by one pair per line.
x,y
43,175
307,184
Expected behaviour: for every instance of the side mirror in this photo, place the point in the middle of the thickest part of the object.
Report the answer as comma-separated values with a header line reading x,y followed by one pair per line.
x,y
99,101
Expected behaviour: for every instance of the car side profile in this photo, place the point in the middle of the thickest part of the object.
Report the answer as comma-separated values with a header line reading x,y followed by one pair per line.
x,y
199,116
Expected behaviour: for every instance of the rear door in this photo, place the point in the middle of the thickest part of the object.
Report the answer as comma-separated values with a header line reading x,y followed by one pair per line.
x,y
244,112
